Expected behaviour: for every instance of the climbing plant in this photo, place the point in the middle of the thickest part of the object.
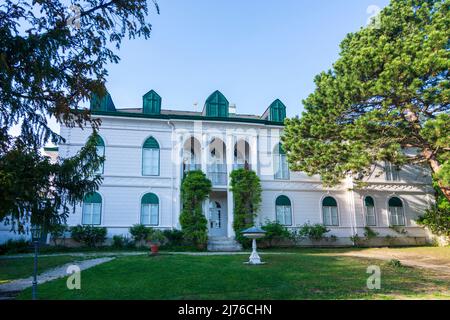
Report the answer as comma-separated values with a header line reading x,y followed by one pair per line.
x,y
246,188
195,188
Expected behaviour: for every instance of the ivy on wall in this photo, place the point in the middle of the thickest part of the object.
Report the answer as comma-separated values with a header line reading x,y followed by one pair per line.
x,y
195,188
246,188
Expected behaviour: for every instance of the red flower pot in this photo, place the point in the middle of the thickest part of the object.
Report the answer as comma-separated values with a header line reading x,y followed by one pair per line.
x,y
154,248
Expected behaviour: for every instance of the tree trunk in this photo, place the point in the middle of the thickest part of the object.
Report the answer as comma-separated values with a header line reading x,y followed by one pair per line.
x,y
435,167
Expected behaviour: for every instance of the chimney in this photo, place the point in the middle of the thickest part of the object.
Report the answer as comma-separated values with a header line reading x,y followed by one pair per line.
x,y
232,109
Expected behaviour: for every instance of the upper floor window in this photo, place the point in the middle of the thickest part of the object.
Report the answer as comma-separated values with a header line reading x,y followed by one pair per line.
x,y
396,212
92,209
150,157
280,163
330,212
100,153
150,209
391,171
283,211
369,204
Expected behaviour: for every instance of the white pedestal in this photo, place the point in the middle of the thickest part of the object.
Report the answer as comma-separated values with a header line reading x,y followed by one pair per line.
x,y
254,257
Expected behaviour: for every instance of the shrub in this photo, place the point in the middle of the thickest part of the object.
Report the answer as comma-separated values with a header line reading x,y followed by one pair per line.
x,y
174,237
275,232
156,237
15,246
195,188
369,233
246,187
58,232
118,241
395,263
88,235
139,232
315,232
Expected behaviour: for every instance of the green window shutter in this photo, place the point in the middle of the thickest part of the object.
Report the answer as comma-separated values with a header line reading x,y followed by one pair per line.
x,y
93,197
395,202
151,103
277,111
329,202
104,103
281,149
283,201
100,142
217,105
369,202
151,143
150,198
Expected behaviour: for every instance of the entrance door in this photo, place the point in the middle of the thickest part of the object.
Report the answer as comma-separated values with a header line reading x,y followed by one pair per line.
x,y
217,220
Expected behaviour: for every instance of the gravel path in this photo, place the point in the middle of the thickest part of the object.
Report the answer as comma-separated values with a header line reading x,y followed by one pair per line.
x,y
8,290
410,260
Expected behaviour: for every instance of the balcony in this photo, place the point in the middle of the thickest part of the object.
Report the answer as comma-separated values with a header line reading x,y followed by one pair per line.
x,y
191,167
217,173
237,166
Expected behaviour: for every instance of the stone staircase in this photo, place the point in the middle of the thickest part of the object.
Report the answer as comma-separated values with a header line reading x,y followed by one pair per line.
x,y
223,244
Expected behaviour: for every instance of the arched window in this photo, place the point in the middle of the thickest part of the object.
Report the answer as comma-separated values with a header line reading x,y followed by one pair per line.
x,y
150,210
280,163
100,153
283,211
92,209
396,212
370,211
150,157
330,212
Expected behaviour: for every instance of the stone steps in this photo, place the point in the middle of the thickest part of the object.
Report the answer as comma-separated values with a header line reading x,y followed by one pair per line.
x,y
223,244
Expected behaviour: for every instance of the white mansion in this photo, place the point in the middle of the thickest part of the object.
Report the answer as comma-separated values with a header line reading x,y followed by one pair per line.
x,y
148,149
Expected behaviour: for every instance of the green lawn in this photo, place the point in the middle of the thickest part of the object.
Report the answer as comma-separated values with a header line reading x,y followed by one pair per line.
x,y
304,275
17,268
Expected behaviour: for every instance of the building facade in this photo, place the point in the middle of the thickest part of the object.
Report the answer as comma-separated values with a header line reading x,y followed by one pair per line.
x,y
149,149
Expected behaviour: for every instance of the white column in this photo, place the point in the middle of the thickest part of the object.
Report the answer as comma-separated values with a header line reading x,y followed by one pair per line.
x,y
254,154
204,152
230,204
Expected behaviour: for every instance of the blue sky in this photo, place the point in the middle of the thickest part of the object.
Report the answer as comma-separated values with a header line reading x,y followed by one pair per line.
x,y
253,51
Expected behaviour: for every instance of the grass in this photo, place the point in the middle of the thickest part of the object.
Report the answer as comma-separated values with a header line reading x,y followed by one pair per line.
x,y
17,268
308,274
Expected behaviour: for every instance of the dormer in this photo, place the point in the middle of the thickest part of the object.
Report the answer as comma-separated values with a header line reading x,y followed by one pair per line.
x,y
276,112
104,103
151,103
216,106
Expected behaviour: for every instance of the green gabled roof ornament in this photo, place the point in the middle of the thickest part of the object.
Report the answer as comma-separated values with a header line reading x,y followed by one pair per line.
x,y
151,103
216,105
276,112
104,103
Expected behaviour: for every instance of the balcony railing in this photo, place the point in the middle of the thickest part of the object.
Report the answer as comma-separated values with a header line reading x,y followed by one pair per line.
x,y
217,173
191,167
237,166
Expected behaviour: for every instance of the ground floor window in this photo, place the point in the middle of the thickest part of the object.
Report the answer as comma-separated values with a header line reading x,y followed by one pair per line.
x,y
283,211
330,212
396,212
92,209
150,209
371,220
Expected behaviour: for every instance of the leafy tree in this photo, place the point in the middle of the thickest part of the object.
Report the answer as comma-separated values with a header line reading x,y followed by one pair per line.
x,y
437,218
388,91
195,189
35,190
52,59
246,188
